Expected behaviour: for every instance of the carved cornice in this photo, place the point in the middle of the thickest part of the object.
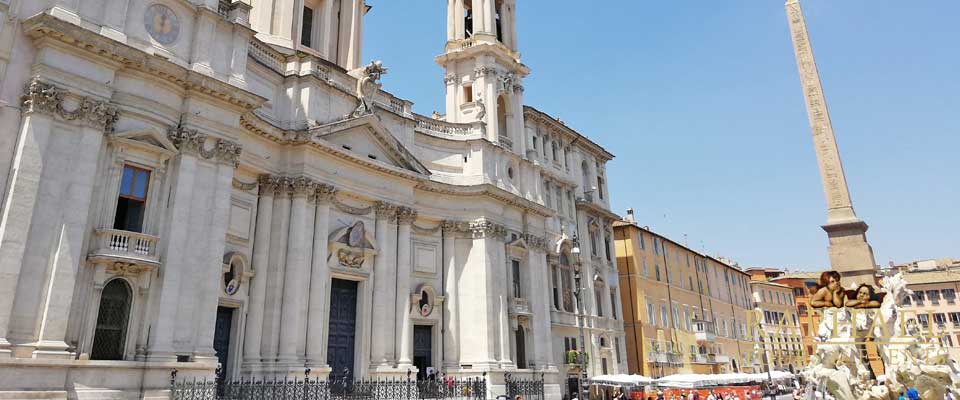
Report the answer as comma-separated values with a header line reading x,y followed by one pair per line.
x,y
45,26
385,210
406,215
46,98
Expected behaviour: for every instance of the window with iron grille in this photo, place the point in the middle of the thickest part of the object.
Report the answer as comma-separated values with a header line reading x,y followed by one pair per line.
x,y
111,330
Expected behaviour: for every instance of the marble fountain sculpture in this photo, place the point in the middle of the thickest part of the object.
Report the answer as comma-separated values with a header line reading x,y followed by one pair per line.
x,y
911,355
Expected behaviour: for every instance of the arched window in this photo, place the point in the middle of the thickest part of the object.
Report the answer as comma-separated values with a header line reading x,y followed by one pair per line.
x,y
502,116
111,331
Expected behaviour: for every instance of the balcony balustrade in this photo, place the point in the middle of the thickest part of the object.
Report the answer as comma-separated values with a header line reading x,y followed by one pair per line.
x,y
126,246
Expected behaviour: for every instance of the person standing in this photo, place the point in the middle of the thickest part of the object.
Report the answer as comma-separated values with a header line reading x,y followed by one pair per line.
x,y
913,394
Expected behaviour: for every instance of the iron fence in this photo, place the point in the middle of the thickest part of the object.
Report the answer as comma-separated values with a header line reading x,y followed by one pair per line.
x,y
530,389
439,388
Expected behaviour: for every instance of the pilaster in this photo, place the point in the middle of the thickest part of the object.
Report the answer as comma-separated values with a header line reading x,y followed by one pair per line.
x,y
384,279
295,284
405,217
319,276
451,333
260,264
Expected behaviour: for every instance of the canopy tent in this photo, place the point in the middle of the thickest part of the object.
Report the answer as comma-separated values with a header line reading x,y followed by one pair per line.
x,y
622,379
704,380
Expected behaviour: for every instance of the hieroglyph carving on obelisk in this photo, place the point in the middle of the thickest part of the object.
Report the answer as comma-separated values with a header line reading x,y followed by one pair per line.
x,y
849,252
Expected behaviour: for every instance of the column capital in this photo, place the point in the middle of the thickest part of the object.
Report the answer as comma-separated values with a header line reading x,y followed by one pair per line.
x,y
268,184
484,228
406,215
43,97
452,227
188,141
324,193
385,210
301,186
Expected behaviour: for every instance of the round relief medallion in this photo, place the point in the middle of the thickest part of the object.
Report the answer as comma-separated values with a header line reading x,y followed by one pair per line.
x,y
162,23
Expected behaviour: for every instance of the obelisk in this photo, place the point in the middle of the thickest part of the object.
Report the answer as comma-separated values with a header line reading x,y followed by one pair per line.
x,y
850,254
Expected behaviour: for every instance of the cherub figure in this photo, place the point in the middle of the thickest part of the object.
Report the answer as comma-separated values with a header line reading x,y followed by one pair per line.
x,y
866,298
830,292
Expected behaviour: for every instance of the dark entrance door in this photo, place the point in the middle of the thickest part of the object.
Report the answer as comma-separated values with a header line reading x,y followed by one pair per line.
x,y
221,338
343,323
422,349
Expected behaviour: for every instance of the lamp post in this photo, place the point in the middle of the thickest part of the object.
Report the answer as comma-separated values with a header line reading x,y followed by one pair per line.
x,y
584,387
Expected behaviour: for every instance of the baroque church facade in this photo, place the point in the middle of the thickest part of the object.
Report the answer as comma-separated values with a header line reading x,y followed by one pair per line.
x,y
208,185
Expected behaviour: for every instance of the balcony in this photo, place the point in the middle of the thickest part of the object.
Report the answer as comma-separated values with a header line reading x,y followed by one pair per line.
x,y
127,247
519,306
703,330
704,359
722,359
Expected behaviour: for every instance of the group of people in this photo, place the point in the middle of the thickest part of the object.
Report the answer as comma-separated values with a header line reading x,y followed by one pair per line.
x,y
712,395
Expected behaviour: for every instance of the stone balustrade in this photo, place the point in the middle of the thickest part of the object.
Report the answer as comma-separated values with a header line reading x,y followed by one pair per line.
x,y
126,246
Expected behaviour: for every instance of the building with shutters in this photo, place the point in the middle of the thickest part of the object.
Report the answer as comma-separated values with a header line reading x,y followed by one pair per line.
x,y
684,311
194,183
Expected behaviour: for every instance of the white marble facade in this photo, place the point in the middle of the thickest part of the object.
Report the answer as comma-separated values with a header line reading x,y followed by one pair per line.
x,y
188,181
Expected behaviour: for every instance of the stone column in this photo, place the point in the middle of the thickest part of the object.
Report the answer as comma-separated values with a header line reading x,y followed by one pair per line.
x,y
490,17
458,22
451,332
328,32
260,264
383,282
319,277
278,240
405,217
295,279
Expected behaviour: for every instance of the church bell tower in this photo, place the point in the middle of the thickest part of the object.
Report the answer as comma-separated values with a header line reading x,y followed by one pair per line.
x,y
483,72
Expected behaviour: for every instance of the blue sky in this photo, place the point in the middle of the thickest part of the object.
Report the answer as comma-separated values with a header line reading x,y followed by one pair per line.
x,y
701,103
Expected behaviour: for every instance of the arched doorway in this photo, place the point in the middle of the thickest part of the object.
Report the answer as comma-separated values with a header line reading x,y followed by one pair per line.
x,y
111,331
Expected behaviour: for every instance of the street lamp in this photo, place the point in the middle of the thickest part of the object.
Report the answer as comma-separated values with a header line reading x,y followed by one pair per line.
x,y
584,387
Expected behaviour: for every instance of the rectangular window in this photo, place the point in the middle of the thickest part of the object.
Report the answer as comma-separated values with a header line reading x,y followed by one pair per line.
x,y
556,290
646,272
640,237
651,313
599,300
516,278
934,296
940,319
955,319
606,246
664,315
306,29
676,317
657,270
132,201
613,303
950,296
616,342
